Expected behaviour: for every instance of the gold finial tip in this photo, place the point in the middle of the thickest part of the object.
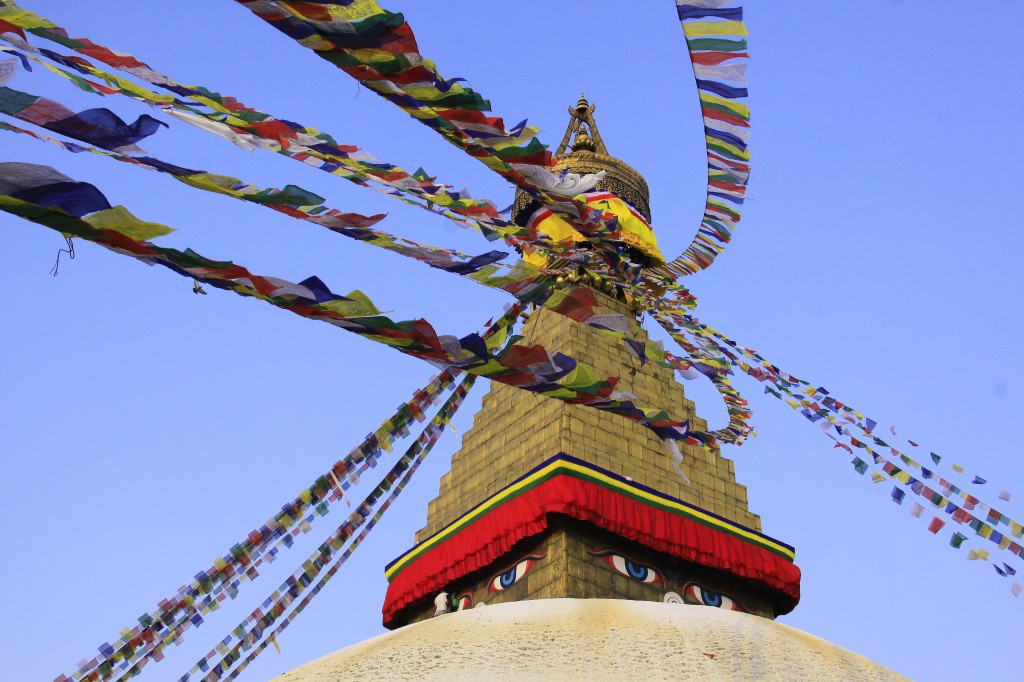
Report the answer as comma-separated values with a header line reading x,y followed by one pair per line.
x,y
583,141
583,104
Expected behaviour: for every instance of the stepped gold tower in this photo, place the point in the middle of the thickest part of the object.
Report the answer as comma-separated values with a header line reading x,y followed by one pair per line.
x,y
613,518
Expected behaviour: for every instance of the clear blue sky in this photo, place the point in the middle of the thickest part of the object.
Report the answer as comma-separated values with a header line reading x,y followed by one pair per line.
x,y
144,430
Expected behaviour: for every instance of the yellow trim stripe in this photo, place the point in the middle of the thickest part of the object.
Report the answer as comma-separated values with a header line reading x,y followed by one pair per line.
x,y
561,466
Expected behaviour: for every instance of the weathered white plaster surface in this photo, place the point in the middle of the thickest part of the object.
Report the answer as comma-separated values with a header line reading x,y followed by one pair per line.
x,y
593,639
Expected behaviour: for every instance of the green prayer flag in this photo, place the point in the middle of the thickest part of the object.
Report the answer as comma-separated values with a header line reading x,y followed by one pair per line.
x,y
13,101
717,44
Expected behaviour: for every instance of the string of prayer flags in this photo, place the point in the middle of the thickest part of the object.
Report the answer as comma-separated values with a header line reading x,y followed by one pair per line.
x,y
248,128
957,514
711,362
715,38
224,576
519,279
836,419
378,49
816,404
154,651
255,626
327,575
531,368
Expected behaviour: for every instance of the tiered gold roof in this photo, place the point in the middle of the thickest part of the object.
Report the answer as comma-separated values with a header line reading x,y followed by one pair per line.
x,y
621,192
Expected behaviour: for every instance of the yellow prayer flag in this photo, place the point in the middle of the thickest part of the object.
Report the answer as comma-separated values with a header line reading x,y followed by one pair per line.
x,y
211,182
119,219
742,110
714,28
977,555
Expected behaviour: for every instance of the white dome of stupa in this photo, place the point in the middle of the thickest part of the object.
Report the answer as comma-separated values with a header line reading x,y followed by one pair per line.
x,y
593,639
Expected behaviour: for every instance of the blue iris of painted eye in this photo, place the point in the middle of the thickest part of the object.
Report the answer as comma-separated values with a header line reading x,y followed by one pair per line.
x,y
694,593
627,567
512,575
636,571
508,578
712,598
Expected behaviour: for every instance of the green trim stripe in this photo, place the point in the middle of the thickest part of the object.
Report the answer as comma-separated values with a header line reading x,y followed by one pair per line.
x,y
565,467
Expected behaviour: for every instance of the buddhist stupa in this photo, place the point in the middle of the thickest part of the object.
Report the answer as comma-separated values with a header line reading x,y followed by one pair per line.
x,y
566,544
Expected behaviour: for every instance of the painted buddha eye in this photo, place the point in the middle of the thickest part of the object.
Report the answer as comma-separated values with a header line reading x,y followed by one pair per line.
x,y
513,574
464,601
634,570
694,593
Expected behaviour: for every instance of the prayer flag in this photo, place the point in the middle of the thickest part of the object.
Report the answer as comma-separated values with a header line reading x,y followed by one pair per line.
x,y
898,495
936,525
916,510
957,540
977,554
